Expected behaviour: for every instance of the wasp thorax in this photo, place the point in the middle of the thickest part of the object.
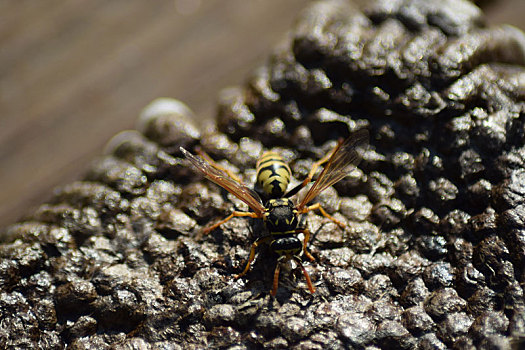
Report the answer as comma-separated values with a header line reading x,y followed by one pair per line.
x,y
281,215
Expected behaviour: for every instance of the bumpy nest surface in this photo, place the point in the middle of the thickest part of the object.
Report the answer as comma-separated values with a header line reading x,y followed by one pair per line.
x,y
433,256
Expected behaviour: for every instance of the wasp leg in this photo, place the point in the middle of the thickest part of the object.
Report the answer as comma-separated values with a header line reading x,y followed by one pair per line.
x,y
306,276
275,284
234,214
317,165
311,174
209,159
252,254
324,213
306,233
275,279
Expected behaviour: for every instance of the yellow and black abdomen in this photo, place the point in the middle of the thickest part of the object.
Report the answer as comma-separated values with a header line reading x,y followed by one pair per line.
x,y
273,175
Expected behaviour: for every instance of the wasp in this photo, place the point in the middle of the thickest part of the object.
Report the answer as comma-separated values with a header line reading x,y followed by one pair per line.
x,y
279,213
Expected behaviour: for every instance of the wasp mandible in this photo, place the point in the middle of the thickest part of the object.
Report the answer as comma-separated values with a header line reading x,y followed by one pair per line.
x,y
278,211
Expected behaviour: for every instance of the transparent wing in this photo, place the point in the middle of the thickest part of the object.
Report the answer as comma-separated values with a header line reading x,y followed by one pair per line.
x,y
345,158
222,179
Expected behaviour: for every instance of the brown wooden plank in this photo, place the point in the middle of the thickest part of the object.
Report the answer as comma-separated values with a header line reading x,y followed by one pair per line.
x,y
74,73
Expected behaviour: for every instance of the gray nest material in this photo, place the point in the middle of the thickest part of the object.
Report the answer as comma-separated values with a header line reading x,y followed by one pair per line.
x,y
434,251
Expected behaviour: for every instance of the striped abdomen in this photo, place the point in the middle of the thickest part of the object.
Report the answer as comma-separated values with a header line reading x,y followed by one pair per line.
x,y
273,175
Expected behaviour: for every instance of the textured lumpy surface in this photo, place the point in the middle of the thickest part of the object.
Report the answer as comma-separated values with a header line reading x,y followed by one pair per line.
x,y
434,249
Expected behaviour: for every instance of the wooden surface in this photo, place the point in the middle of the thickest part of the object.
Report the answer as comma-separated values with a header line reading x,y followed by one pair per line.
x,y
74,73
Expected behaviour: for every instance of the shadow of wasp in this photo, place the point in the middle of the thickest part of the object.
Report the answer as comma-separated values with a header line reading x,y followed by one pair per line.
x,y
278,211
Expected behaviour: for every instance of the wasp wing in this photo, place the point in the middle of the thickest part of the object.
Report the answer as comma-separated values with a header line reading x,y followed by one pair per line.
x,y
345,158
222,179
